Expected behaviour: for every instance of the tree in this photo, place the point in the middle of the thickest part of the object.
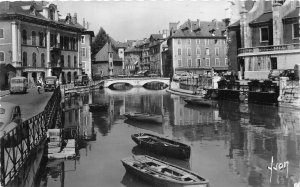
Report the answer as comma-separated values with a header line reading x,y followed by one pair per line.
x,y
100,40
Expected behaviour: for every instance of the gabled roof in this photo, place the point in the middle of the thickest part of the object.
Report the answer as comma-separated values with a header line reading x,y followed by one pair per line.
x,y
102,55
194,29
266,17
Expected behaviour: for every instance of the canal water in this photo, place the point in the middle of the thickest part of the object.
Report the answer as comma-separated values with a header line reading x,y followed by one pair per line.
x,y
232,144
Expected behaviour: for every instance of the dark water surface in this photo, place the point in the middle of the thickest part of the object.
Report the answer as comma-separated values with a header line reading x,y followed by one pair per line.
x,y
232,144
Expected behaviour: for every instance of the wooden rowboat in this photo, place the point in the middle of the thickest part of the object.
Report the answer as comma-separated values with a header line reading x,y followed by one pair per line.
x,y
162,146
144,117
98,107
160,173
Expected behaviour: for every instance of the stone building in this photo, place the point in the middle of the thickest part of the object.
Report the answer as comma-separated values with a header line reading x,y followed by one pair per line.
x,y
267,36
37,42
197,47
107,63
132,60
85,51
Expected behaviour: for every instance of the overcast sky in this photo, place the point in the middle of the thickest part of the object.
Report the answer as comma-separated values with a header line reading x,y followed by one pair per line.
x,y
138,19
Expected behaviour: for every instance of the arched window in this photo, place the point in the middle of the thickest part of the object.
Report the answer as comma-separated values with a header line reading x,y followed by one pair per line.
x,y
69,61
41,39
24,59
34,59
75,61
24,36
33,38
62,61
43,60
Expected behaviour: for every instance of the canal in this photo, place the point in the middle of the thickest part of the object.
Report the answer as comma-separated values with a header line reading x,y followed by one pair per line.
x,y
232,144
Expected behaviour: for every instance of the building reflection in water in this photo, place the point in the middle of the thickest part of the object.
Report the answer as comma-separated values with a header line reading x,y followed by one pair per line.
x,y
250,134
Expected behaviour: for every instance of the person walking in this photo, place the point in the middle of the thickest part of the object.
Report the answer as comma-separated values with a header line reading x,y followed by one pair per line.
x,y
39,84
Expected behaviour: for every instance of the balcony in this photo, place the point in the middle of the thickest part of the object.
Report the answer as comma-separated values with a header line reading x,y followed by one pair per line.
x,y
271,48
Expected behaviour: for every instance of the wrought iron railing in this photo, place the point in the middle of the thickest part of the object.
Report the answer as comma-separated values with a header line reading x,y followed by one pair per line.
x,y
17,144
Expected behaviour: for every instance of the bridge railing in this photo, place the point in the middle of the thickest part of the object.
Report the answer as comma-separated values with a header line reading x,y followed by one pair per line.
x,y
17,144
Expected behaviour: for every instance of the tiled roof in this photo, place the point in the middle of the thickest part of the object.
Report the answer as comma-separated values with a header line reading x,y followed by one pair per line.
x,y
264,18
24,8
156,36
293,14
200,29
133,49
102,55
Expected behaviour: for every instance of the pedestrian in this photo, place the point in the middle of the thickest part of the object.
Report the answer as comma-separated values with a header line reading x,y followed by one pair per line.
x,y
39,84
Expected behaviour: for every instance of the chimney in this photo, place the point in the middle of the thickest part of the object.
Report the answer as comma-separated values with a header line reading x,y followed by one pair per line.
x,y
6,5
75,18
83,23
68,18
87,25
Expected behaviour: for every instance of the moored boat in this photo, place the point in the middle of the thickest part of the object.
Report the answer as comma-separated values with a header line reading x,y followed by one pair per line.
x,y
160,173
144,117
162,146
98,107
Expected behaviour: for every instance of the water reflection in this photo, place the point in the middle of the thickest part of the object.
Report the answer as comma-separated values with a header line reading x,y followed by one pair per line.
x,y
232,144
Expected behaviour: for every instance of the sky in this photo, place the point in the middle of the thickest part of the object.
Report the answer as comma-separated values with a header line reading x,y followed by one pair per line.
x,y
131,20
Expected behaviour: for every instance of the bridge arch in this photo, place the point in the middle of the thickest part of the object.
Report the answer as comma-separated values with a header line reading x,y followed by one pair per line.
x,y
135,82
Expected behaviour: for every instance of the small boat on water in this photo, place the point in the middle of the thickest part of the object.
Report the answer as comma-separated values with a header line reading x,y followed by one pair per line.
x,y
98,107
160,173
200,102
144,117
162,146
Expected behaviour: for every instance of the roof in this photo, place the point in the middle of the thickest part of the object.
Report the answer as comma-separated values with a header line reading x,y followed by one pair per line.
x,y
194,29
293,14
24,8
235,24
157,36
264,18
102,55
133,49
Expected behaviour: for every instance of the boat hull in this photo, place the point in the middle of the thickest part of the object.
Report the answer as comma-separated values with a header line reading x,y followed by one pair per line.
x,y
158,179
145,118
164,146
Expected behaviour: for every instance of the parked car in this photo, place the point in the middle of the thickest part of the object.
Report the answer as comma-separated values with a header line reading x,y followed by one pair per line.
x,y
18,85
10,117
82,80
275,74
50,83
290,73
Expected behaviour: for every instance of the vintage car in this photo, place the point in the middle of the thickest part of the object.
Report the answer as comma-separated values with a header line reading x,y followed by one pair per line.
x,y
18,85
82,80
50,83
10,117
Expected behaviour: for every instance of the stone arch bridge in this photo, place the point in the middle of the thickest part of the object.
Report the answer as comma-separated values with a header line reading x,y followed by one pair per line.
x,y
135,82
